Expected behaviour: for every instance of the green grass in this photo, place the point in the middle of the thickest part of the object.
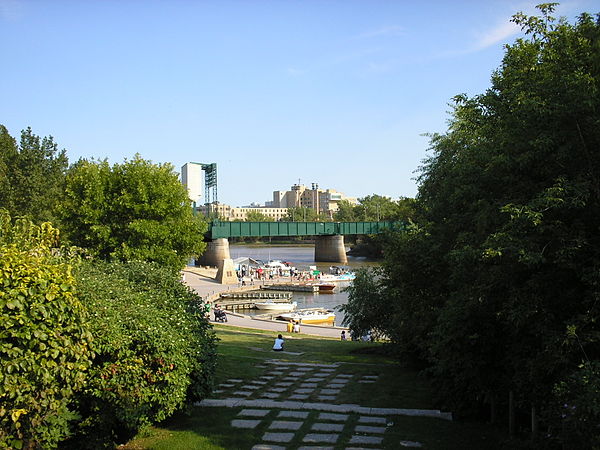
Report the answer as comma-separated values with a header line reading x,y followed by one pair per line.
x,y
242,350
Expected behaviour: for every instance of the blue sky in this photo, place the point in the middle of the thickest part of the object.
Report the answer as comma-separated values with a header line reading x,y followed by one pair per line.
x,y
334,92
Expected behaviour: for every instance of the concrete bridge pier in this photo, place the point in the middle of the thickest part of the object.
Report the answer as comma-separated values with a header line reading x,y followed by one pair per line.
x,y
216,252
330,249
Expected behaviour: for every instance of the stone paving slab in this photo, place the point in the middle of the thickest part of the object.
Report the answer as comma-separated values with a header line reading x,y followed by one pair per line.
x,y
368,419
308,385
278,437
290,379
366,381
410,444
266,377
315,447
285,425
372,377
297,374
300,364
339,380
344,375
252,387
243,393
333,417
322,374
336,386
327,427
304,391
267,447
328,369
314,380
305,369
294,414
258,382
369,429
328,438
240,423
326,398
254,412
276,372
286,383
326,407
234,380
278,389
218,391
299,397
371,440
270,395
226,385
330,391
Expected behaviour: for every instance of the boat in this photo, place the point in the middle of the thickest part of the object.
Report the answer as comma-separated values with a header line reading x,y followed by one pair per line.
x,y
329,278
312,316
274,306
325,287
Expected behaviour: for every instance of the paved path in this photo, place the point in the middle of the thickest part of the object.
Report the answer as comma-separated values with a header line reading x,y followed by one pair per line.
x,y
298,401
205,286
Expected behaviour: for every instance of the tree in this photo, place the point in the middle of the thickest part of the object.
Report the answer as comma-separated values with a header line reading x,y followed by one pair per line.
x,y
497,288
32,175
257,216
131,211
301,214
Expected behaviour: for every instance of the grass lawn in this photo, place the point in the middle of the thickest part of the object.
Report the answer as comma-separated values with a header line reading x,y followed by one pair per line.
x,y
242,350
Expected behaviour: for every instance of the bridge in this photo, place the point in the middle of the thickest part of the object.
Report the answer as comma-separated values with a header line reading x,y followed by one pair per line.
x,y
329,239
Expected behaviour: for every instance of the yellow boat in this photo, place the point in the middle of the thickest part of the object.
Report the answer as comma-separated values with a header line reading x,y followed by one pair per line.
x,y
312,316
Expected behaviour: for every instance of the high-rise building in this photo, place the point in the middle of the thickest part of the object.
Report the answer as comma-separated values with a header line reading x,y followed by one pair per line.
x,y
192,178
322,200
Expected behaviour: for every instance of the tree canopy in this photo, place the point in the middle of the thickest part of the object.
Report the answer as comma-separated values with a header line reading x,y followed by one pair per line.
x,y
32,175
131,211
496,287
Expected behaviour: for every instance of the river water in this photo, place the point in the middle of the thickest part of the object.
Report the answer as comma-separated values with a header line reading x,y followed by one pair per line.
x,y
302,257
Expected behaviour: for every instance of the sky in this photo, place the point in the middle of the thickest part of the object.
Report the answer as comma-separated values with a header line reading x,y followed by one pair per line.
x,y
336,92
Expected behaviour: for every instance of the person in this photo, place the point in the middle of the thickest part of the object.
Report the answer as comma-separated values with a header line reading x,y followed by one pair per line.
x,y
290,327
278,346
296,327
343,335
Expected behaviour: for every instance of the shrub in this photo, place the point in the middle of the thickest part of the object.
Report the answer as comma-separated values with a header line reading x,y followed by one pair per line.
x,y
155,352
44,342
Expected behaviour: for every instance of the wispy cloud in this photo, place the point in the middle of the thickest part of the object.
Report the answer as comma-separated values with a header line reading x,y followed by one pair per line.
x,y
498,34
295,72
387,30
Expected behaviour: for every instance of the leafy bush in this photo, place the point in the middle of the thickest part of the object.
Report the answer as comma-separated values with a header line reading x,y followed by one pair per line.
x,y
155,351
44,342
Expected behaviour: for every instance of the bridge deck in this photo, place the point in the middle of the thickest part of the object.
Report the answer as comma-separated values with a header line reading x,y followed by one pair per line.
x,y
218,229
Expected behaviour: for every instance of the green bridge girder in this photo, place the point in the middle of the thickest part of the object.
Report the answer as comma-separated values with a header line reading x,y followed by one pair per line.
x,y
218,229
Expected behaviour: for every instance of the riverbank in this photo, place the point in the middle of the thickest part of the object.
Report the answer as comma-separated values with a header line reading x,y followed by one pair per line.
x,y
201,280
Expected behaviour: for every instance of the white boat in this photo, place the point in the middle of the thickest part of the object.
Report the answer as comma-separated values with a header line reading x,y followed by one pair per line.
x,y
329,278
312,316
274,306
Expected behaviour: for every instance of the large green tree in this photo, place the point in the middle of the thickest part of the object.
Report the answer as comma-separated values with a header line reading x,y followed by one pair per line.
x,y
32,175
257,216
131,211
497,289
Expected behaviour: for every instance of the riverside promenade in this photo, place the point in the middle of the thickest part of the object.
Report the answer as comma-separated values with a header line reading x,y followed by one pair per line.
x,y
201,281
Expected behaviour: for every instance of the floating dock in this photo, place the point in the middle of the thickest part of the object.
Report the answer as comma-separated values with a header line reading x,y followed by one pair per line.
x,y
256,295
293,287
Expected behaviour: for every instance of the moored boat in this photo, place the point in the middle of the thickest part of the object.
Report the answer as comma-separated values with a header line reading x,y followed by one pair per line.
x,y
312,316
276,306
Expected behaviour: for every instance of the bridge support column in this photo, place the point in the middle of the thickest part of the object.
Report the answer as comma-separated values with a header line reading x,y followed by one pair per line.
x,y
226,272
330,249
216,252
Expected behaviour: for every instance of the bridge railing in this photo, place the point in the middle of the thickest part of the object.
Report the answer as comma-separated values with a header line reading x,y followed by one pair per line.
x,y
218,229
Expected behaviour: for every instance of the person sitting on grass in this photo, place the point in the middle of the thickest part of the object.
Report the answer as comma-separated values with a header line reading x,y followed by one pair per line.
x,y
278,346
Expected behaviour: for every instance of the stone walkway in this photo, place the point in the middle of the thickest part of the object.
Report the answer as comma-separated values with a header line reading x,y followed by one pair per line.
x,y
281,399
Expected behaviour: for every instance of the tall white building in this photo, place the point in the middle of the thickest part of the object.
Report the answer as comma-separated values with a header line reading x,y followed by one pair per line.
x,y
193,179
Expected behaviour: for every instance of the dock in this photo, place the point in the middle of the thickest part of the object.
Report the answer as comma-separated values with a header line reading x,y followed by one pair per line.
x,y
293,287
256,295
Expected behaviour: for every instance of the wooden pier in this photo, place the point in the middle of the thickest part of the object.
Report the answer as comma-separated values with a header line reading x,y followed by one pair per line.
x,y
256,295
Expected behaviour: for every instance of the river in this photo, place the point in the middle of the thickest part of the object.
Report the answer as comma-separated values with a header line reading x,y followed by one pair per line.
x,y
302,257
